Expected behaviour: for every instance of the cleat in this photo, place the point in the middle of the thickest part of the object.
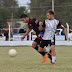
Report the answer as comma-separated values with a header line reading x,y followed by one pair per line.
x,y
50,51
53,64
51,61
45,57
55,59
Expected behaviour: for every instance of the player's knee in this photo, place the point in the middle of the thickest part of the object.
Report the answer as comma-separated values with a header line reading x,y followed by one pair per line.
x,y
52,48
40,49
33,45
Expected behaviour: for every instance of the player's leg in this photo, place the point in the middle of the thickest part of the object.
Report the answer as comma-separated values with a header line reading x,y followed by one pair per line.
x,y
42,44
53,53
37,42
34,45
44,50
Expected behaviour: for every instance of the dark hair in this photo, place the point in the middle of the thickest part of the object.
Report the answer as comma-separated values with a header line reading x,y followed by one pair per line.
x,y
24,16
50,11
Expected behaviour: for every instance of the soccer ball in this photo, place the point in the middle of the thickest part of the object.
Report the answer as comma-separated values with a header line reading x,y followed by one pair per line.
x,y
12,52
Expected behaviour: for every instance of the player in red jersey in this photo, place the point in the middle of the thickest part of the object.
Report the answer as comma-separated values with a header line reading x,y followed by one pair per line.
x,y
37,27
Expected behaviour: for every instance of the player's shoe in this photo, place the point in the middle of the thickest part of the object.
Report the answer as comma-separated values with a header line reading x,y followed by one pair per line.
x,y
50,51
45,57
55,59
51,60
53,64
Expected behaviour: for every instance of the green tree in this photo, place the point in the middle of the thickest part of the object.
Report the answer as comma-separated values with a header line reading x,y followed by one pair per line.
x,y
7,7
20,11
39,7
5,11
17,25
63,10
4,15
9,3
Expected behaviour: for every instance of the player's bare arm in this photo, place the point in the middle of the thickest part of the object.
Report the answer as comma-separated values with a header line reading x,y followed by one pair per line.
x,y
33,33
65,31
40,26
27,32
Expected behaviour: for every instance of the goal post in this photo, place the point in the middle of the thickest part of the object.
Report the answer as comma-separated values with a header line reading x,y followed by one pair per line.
x,y
67,29
9,30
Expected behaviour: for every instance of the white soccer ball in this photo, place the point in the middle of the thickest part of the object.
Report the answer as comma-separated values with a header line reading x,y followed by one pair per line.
x,y
12,52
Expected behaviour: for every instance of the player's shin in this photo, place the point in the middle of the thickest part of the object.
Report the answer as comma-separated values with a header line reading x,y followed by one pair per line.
x,y
45,56
53,59
42,53
49,56
47,50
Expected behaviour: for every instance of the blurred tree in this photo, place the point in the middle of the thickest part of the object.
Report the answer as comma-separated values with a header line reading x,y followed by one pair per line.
x,y
4,15
63,10
9,3
39,7
5,11
9,9
17,25
20,11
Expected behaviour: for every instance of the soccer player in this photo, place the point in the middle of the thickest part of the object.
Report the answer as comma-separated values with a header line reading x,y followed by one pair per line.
x,y
37,27
50,25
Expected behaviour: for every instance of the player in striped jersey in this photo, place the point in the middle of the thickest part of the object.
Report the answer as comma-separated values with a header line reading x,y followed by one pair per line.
x,y
50,25
37,27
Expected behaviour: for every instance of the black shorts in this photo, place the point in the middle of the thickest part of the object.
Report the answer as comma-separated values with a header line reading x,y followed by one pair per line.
x,y
38,40
46,43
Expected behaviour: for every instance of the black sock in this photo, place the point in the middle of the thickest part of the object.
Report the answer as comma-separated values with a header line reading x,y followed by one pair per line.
x,y
49,56
42,53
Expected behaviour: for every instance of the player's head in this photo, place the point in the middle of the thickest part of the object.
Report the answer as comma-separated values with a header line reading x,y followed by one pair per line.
x,y
24,18
50,14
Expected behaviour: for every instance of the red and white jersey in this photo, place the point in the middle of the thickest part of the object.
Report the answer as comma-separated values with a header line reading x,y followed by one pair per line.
x,y
50,28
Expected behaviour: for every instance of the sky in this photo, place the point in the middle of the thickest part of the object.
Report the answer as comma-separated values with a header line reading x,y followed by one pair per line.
x,y
23,2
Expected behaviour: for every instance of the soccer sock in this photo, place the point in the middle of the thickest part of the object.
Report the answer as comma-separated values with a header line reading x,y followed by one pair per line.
x,y
42,53
53,59
47,50
49,56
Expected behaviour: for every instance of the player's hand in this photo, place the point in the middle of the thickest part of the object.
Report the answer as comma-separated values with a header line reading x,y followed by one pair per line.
x,y
22,38
40,23
67,38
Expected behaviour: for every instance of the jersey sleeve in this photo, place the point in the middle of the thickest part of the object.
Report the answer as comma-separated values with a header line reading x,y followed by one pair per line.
x,y
30,26
43,24
34,21
60,26
31,23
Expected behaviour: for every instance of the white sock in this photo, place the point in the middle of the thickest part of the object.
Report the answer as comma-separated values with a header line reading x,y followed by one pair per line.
x,y
53,59
47,50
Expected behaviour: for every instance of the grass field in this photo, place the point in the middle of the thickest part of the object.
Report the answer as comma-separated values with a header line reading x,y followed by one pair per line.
x,y
28,60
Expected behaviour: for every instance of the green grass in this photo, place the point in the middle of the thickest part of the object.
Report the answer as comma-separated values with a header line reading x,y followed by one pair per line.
x,y
29,60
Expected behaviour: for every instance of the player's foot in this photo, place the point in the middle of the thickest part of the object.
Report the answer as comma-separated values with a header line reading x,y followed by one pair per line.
x,y
50,51
45,57
55,59
53,64
51,60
